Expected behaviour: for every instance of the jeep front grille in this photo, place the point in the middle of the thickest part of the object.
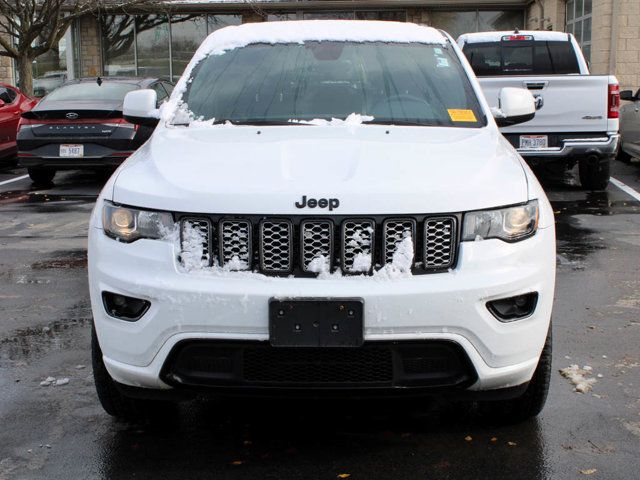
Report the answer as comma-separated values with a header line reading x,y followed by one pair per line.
x,y
290,245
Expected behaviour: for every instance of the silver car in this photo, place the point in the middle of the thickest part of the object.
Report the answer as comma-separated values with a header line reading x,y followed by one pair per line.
x,y
630,126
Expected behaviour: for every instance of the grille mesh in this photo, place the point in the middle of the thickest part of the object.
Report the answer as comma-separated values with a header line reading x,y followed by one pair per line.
x,y
275,246
316,241
284,248
394,232
439,242
357,245
203,226
235,244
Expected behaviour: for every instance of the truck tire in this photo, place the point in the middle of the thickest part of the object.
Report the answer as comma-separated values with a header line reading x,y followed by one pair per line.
x,y
41,175
532,401
594,173
116,404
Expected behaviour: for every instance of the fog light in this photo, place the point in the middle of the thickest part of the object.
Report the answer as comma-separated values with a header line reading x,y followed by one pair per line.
x,y
123,307
514,308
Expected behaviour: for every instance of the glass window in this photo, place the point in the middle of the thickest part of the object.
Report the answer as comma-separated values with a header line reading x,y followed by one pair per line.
x,y
7,95
281,17
214,22
152,46
455,23
506,20
118,43
521,58
329,15
187,33
395,83
390,16
107,91
54,67
579,15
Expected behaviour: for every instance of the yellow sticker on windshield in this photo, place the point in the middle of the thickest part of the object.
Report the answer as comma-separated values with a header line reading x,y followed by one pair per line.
x,y
458,115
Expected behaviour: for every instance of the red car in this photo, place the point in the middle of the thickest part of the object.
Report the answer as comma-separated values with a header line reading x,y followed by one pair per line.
x,y
12,104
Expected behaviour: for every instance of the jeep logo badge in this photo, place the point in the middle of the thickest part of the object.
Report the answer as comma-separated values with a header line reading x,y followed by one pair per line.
x,y
331,203
71,115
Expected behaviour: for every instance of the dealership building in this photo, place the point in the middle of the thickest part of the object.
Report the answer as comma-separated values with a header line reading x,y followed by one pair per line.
x,y
160,43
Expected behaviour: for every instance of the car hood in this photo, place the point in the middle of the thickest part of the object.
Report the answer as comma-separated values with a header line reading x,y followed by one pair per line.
x,y
370,169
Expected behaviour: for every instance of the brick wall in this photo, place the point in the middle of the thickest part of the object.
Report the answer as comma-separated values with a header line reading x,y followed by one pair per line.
x,y
552,18
6,70
90,49
628,44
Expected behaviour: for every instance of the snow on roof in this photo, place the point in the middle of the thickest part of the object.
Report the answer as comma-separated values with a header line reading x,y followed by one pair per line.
x,y
316,30
542,35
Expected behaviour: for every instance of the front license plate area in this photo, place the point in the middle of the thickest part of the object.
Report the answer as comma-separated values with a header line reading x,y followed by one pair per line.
x,y
71,151
534,142
316,323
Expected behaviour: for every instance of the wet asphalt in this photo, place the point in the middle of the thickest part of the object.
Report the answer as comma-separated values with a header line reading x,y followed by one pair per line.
x,y
60,432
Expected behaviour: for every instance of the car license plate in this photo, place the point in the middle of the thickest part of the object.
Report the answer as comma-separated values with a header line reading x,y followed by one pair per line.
x,y
316,323
533,142
74,151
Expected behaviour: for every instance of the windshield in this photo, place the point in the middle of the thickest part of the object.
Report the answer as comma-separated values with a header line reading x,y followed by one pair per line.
x,y
92,91
395,83
522,58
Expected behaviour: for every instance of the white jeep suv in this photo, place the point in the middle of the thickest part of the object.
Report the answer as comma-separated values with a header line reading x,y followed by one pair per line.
x,y
324,207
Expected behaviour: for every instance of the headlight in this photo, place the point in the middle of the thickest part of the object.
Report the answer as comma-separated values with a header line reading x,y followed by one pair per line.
x,y
129,224
509,224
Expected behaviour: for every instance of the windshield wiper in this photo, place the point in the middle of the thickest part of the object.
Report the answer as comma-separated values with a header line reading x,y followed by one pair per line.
x,y
256,122
401,123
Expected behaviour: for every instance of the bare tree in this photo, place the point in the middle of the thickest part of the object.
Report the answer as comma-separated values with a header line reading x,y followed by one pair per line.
x,y
30,28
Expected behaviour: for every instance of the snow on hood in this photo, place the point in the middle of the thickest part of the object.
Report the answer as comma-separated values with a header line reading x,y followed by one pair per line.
x,y
301,31
370,169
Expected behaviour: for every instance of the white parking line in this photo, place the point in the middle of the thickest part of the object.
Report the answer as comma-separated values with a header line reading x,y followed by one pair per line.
x,y
17,179
626,188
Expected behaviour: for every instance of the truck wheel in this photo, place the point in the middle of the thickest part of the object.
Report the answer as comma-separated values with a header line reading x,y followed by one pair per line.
x,y
41,175
116,404
532,401
594,173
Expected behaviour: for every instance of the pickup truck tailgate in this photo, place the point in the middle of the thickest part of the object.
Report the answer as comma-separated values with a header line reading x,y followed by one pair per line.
x,y
565,103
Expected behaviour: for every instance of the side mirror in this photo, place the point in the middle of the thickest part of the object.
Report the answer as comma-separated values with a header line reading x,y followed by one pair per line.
x,y
516,105
140,107
628,96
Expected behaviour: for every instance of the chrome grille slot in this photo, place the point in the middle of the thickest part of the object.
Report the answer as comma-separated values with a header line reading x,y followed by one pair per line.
x,y
276,246
235,244
439,242
394,231
201,227
316,240
357,245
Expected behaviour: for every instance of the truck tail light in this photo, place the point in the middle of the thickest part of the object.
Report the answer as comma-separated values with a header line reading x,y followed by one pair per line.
x,y
614,101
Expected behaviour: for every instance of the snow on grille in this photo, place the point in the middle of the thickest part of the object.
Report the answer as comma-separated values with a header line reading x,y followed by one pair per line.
x,y
394,231
316,242
195,240
275,246
235,244
357,245
439,242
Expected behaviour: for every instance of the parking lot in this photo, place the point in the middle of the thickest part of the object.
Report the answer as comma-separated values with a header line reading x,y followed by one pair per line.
x,y
60,431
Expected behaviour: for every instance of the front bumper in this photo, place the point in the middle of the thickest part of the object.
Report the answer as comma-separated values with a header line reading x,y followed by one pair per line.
x,y
446,306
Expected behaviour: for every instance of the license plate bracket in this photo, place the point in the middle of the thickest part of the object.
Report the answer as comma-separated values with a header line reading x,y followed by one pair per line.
x,y
316,322
68,150
534,142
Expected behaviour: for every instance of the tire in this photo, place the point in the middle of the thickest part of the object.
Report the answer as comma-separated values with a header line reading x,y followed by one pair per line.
x,y
623,156
594,174
532,401
41,175
116,404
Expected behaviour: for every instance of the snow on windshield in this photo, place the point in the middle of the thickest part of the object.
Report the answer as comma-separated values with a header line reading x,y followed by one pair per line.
x,y
233,37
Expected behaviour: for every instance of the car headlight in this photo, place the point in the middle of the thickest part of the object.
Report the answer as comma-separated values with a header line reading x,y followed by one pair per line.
x,y
510,224
130,224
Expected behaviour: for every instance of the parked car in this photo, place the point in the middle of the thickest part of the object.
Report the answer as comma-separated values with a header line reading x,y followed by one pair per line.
x,y
80,126
577,113
629,126
12,104
324,207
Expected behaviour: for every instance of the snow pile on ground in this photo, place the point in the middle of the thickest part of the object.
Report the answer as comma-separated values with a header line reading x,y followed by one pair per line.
x,y
578,377
52,381
175,110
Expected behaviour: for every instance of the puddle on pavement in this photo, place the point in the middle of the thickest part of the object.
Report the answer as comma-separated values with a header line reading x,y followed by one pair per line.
x,y
68,260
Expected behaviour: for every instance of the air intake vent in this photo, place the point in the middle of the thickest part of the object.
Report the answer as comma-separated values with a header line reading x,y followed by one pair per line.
x,y
439,242
195,238
235,244
316,238
357,245
276,246
395,231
